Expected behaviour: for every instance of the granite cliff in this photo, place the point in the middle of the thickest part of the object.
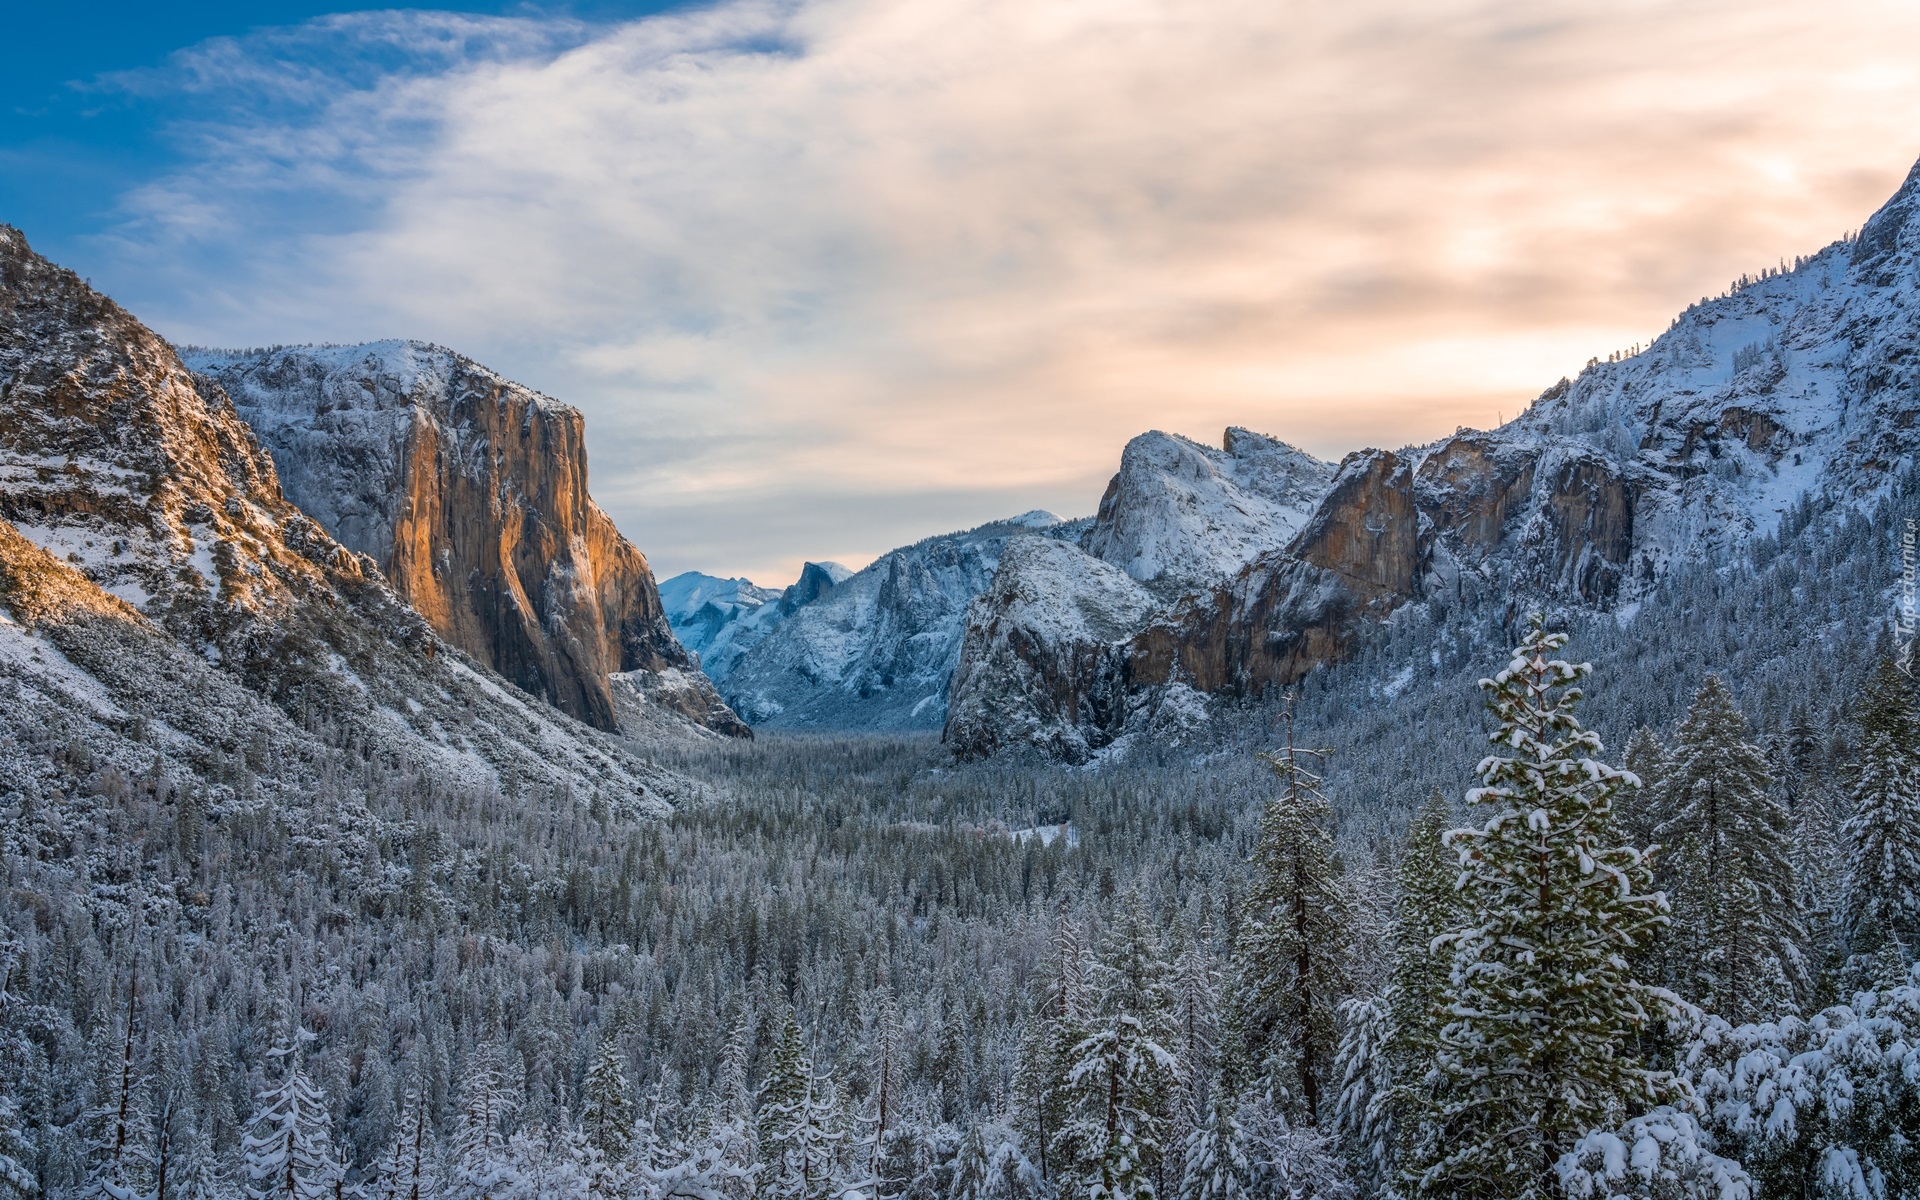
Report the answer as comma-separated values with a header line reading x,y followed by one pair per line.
x,y
169,609
469,492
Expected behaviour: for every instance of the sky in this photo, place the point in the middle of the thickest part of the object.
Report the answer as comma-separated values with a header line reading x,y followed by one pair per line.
x,y
829,276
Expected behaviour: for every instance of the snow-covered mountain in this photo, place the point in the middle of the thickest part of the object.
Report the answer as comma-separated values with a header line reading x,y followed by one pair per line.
x,y
1802,381
722,620
875,649
168,611
470,493
1179,513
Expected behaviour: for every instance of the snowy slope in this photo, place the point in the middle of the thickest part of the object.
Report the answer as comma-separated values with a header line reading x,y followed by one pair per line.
x,y
878,649
722,620
1180,513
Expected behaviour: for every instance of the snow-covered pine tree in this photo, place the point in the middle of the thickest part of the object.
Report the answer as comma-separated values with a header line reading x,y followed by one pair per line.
x,y
1727,858
1387,1042
1112,1135
973,1174
884,1065
287,1152
1197,1014
478,1165
1638,811
406,1171
1882,836
606,1115
1213,1160
1291,957
17,1149
119,1127
16,1152
1046,1049
797,1136
1544,1012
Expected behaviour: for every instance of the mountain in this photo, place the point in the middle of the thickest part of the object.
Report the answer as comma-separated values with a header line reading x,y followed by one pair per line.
x,y
875,649
469,492
1800,382
1179,513
722,620
170,612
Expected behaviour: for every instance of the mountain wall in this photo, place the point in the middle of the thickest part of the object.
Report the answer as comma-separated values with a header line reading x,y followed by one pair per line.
x,y
1805,381
469,492
155,576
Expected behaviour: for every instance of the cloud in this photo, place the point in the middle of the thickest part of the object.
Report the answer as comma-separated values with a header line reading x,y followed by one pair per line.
x,y
810,266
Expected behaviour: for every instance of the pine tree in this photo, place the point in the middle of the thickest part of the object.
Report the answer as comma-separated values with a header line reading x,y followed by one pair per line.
x,y
1214,1159
16,1152
478,1168
1291,958
1047,1049
607,1103
1544,1008
1638,811
1728,860
287,1153
1882,836
1113,1135
797,1134
119,1146
406,1171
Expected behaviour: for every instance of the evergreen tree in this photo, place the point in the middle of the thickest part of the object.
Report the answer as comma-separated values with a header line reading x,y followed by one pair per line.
x,y
479,1168
406,1171
1544,1013
1291,957
1638,811
1728,861
1112,1136
607,1103
797,1134
120,1129
1882,836
1214,1159
287,1153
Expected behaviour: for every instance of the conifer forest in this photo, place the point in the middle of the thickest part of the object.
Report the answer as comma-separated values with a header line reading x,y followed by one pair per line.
x,y
1585,908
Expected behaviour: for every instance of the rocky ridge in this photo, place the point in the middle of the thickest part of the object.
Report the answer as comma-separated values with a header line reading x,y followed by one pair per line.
x,y
469,492
160,586
1802,381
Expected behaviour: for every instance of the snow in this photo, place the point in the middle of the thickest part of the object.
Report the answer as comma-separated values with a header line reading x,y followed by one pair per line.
x,y
1189,513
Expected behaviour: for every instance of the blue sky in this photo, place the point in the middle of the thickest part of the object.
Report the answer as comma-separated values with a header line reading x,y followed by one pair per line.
x,y
828,276
74,140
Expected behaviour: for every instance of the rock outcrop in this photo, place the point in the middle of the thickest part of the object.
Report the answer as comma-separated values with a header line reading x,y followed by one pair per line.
x,y
1178,513
155,577
1792,383
470,494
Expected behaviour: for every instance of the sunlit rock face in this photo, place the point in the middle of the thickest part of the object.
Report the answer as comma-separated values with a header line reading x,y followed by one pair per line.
x,y
167,608
470,492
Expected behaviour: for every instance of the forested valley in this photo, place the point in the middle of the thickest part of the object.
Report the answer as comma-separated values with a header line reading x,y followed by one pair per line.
x,y
1345,946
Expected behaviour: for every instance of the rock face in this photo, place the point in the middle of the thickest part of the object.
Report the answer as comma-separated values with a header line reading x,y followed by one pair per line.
x,y
1178,513
157,580
1042,660
876,649
1796,382
470,493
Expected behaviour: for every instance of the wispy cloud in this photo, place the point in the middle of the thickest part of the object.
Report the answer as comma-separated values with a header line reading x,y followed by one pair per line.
x,y
823,270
